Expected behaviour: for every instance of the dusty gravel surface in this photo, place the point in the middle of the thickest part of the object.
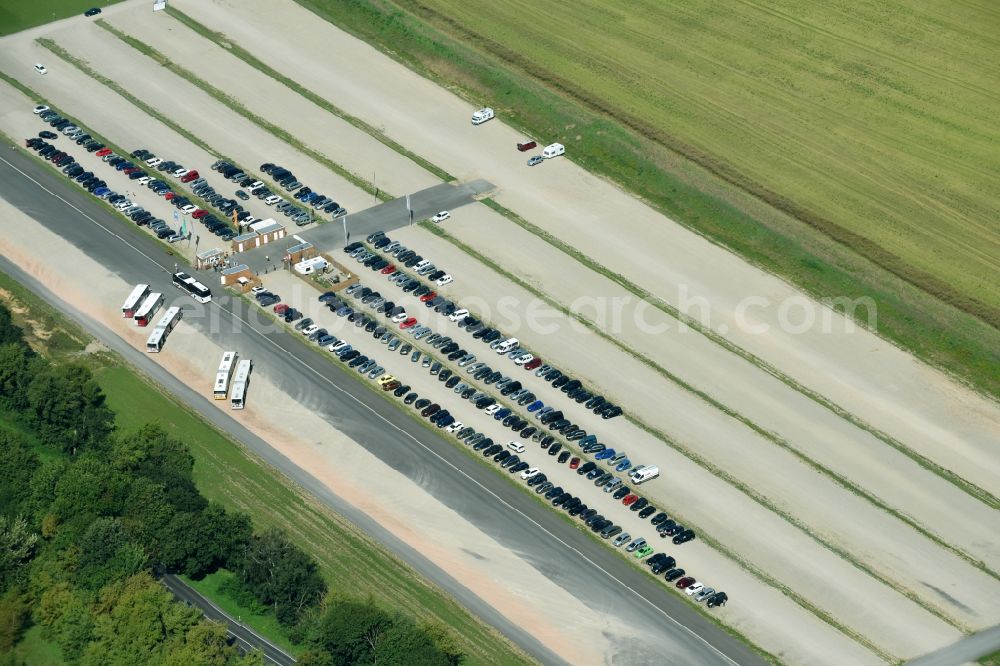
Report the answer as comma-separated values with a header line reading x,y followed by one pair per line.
x,y
921,407
898,395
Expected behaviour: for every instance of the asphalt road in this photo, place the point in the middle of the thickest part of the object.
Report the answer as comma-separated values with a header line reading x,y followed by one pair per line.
x,y
967,650
569,557
245,638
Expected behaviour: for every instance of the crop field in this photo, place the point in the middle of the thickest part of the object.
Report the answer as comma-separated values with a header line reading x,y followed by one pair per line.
x,y
871,121
17,15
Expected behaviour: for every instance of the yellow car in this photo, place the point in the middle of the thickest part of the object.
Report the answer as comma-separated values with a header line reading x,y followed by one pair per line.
x,y
385,380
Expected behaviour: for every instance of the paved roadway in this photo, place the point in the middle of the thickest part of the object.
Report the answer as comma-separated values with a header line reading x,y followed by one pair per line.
x,y
569,557
245,638
385,216
967,650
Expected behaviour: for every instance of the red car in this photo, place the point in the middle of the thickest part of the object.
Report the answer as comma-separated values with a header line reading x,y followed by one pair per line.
x,y
533,363
630,500
574,463
409,323
58,156
189,176
103,151
388,269
130,170
169,195
198,214
280,308
687,581
429,296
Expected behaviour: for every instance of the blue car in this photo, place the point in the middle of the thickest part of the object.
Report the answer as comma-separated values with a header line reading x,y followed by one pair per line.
x,y
502,414
586,441
535,406
605,454
102,191
623,465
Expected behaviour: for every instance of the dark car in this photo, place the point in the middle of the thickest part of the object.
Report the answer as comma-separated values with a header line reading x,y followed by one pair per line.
x,y
621,492
554,449
663,565
674,574
93,11
639,504
45,134
647,512
408,400
717,599
684,537
659,519
586,467
430,410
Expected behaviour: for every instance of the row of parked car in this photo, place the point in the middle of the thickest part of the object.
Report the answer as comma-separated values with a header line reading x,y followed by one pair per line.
x,y
258,189
306,195
88,179
398,253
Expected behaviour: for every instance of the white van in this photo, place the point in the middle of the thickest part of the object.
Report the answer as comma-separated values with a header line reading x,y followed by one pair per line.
x,y
553,150
310,266
644,473
482,115
505,346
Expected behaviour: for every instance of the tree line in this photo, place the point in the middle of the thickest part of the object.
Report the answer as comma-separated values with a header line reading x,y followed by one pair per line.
x,y
90,514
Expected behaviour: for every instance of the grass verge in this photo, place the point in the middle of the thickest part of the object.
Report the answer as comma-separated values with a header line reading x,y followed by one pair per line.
x,y
246,56
235,105
34,650
935,331
350,561
226,473
264,623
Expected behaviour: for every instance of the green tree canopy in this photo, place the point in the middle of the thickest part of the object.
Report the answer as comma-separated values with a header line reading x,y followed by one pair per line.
x,y
18,366
280,575
68,408
9,332
18,464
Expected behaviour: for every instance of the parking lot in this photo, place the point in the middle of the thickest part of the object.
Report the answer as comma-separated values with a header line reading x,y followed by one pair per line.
x,y
802,508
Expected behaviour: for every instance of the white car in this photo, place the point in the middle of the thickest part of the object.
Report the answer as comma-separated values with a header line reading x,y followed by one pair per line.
x,y
40,68
493,409
271,200
310,329
154,161
181,172
256,290
523,358
190,208
455,427
399,318
695,587
444,279
144,180
528,473
458,314
516,447
39,109
441,217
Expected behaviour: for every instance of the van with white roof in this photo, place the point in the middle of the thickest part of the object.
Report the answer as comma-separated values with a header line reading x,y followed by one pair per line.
x,y
553,150
482,115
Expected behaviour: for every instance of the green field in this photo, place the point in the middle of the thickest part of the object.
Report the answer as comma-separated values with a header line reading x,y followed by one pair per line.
x,y
875,121
18,15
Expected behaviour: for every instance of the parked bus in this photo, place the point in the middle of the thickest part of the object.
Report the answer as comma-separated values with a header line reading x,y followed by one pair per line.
x,y
163,327
240,383
145,313
195,289
134,299
224,375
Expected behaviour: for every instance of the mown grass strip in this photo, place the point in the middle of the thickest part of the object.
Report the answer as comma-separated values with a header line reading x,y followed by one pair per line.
x,y
966,486
255,62
770,436
238,107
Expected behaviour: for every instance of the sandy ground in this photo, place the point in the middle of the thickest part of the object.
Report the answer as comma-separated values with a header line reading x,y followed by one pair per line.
x,y
921,407
787,554
963,425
